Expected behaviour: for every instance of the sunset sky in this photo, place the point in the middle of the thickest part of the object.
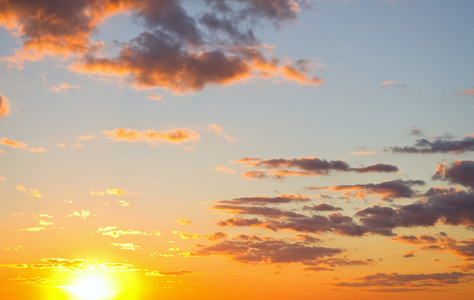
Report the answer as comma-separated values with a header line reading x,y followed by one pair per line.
x,y
229,149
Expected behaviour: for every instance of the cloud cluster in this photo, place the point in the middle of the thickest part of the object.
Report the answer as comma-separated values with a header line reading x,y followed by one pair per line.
x,y
255,249
306,166
175,51
386,189
440,145
407,280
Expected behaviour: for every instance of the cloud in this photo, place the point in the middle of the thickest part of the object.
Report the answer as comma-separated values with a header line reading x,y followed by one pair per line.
x,y
62,88
175,136
440,145
113,192
114,232
440,242
219,131
308,166
386,189
177,51
37,150
184,222
459,172
126,246
4,106
409,254
169,273
322,207
456,208
267,200
469,92
416,280
256,210
10,143
224,169
155,97
386,84
255,249
82,214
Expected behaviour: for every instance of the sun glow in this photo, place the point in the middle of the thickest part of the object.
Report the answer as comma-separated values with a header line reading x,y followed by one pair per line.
x,y
93,287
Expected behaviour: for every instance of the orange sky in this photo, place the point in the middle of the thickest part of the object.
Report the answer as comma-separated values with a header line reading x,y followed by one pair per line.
x,y
235,149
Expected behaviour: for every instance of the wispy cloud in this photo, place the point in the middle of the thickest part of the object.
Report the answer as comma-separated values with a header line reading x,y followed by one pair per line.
x,y
11,143
388,83
63,88
219,131
175,136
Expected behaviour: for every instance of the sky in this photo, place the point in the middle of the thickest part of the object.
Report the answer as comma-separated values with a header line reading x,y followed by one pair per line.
x,y
220,149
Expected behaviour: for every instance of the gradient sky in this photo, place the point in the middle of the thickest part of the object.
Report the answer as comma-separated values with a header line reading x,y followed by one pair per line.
x,y
220,149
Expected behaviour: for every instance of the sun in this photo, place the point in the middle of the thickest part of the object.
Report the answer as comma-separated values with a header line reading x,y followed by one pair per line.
x,y
93,287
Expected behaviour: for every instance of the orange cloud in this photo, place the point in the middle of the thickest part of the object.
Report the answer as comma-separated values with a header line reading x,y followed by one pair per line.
x,y
184,222
469,92
62,88
38,150
3,178
11,143
35,193
224,169
176,136
4,106
155,97
392,83
20,187
298,75
363,152
219,131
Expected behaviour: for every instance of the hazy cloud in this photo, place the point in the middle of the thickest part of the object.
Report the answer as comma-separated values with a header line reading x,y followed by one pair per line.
x,y
267,200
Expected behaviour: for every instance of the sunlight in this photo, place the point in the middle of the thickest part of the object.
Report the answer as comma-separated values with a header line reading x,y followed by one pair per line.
x,y
92,287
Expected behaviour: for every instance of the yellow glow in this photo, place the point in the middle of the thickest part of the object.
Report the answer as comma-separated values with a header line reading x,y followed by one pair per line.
x,y
97,287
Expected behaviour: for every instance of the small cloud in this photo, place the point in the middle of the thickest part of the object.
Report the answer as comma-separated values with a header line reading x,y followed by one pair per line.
x,y
124,203
82,214
62,145
35,193
224,169
37,150
219,131
62,88
386,84
126,246
11,143
409,254
363,152
155,97
469,92
175,136
86,137
34,229
20,187
184,222
3,178
4,106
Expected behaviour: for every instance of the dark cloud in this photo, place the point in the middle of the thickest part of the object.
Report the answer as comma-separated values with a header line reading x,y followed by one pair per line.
x,y
456,208
255,249
268,212
267,200
178,51
322,207
307,166
460,172
336,223
417,280
452,209
386,189
440,145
